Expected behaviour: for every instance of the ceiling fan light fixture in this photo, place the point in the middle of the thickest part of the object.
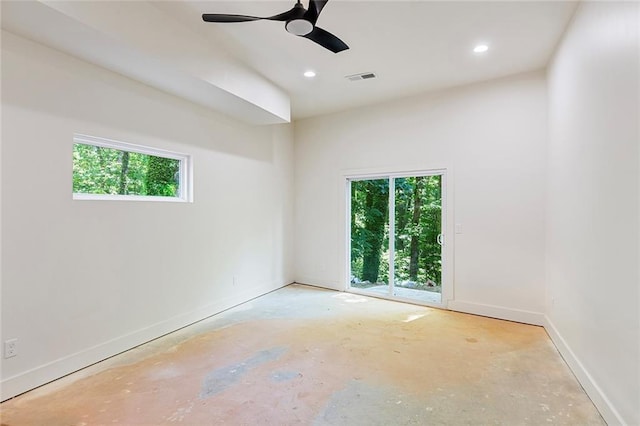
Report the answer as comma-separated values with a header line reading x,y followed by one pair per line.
x,y
298,21
299,27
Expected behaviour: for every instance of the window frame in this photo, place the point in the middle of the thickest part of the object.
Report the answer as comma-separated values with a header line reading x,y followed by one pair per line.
x,y
185,191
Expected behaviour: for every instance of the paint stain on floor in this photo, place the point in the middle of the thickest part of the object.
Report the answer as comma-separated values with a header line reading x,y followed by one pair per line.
x,y
308,356
225,377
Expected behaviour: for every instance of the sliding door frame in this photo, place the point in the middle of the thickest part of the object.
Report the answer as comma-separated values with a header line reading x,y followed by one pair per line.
x,y
446,249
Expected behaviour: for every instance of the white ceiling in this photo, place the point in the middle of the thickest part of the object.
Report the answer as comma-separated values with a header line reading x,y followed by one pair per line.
x,y
412,46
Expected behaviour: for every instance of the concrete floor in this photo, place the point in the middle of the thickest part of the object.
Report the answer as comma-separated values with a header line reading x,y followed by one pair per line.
x,y
302,355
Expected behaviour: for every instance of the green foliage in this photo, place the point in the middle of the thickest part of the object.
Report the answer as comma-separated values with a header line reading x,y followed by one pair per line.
x,y
424,231
370,212
418,210
162,176
100,170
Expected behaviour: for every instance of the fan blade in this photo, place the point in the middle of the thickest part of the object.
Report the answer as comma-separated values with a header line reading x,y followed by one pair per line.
x,y
219,17
326,40
315,7
286,16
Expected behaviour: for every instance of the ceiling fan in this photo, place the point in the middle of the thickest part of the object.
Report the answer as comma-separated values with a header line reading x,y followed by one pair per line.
x,y
299,21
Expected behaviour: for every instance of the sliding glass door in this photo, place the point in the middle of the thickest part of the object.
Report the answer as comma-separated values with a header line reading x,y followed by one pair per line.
x,y
396,236
370,235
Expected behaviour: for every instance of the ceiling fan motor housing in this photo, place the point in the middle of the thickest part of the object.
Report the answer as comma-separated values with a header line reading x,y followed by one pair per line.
x,y
298,25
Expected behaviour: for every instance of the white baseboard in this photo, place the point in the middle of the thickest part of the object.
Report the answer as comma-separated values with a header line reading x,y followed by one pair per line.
x,y
56,369
500,312
600,400
317,282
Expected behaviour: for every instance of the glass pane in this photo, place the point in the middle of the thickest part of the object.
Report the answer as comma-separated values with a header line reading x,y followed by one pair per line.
x,y
101,170
418,260
369,235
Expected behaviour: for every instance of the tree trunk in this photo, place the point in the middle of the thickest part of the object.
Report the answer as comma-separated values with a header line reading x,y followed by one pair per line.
x,y
123,173
402,218
103,170
376,210
415,220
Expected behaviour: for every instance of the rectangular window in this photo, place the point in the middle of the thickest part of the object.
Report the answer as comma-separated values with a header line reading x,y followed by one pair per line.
x,y
110,170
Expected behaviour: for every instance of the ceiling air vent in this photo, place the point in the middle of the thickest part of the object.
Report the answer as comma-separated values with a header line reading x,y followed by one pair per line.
x,y
361,76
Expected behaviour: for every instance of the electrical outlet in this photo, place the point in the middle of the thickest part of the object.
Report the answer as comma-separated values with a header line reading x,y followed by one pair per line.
x,y
235,280
10,348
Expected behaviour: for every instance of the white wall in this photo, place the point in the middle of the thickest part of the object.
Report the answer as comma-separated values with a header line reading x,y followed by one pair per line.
x,y
593,205
85,280
492,137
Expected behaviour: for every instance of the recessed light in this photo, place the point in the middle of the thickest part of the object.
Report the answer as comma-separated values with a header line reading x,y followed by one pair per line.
x,y
309,74
481,48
